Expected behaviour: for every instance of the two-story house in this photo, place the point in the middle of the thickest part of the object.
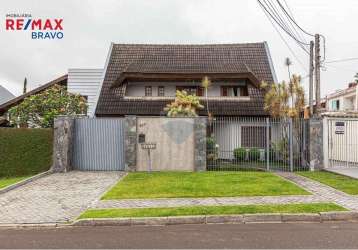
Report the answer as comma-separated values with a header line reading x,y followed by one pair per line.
x,y
140,79
343,100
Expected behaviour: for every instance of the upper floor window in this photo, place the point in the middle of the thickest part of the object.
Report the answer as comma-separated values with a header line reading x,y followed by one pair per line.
x,y
148,90
234,91
161,91
192,90
335,105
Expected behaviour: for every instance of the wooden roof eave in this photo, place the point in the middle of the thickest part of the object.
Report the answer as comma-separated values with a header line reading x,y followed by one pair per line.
x,y
185,76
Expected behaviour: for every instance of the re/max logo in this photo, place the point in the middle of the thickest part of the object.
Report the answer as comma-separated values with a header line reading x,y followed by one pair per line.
x,y
34,24
41,28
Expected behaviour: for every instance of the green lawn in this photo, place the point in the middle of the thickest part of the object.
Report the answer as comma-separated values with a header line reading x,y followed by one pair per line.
x,y
201,184
340,182
4,182
212,210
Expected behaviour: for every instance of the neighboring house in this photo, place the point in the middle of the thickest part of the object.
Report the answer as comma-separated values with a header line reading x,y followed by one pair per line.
x,y
140,79
17,100
5,95
343,100
85,82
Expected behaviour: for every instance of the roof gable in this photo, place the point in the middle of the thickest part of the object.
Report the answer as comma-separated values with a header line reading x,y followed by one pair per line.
x,y
144,60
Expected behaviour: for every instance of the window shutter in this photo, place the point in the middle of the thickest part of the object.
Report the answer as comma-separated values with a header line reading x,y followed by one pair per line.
x,y
200,91
223,91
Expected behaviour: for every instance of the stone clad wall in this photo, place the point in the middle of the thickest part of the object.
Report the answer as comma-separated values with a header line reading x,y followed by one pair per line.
x,y
200,125
130,143
316,143
63,139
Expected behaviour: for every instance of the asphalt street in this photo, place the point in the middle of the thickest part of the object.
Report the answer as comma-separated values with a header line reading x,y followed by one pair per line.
x,y
298,235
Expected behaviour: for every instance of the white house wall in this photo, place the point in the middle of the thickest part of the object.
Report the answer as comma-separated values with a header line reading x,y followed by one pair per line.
x,y
85,82
228,135
138,88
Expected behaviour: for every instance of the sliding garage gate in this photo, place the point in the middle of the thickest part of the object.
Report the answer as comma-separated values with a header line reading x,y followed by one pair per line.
x,y
98,144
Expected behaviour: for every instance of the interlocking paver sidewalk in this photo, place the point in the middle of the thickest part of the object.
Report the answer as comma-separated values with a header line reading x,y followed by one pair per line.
x,y
322,190
55,198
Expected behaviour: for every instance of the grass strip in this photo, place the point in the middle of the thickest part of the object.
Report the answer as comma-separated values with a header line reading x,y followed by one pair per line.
x,y
4,182
343,183
211,210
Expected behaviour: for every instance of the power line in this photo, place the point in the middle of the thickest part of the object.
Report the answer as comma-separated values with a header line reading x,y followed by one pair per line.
x,y
266,8
288,33
343,60
293,20
289,17
275,12
283,39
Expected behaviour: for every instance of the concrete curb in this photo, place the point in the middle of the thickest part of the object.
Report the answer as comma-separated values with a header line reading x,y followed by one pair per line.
x,y
221,219
23,182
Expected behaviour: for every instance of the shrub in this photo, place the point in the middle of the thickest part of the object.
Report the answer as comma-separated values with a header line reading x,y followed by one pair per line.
x,y
254,154
211,150
25,151
240,154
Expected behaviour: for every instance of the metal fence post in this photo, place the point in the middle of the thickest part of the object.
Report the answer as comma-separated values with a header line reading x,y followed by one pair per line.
x,y
291,144
268,144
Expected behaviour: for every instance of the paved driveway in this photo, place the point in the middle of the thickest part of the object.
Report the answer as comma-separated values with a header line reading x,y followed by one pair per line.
x,y
55,198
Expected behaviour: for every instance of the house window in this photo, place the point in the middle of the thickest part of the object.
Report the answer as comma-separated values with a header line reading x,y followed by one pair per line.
x,y
253,137
192,90
148,91
161,91
335,105
234,91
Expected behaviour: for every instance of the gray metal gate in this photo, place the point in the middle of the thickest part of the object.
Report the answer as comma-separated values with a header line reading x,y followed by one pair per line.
x,y
98,144
342,145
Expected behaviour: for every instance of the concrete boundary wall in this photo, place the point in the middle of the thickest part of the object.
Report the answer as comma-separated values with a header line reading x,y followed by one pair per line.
x,y
172,132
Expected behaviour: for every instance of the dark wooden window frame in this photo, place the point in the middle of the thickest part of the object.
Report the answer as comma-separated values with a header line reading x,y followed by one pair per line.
x,y
253,136
161,91
148,90
199,91
243,89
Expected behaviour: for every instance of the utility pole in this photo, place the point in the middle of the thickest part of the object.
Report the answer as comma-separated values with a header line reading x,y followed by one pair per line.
x,y
310,93
317,72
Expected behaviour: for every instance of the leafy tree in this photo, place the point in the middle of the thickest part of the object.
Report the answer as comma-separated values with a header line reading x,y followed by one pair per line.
x,y
184,105
41,109
284,100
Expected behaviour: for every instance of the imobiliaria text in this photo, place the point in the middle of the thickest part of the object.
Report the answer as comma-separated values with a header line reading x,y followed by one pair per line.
x,y
41,28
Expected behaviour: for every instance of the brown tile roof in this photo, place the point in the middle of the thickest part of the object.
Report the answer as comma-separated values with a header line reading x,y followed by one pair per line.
x,y
146,60
13,102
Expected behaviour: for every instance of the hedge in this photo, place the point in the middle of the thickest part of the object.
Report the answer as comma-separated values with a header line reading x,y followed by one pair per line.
x,y
25,151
